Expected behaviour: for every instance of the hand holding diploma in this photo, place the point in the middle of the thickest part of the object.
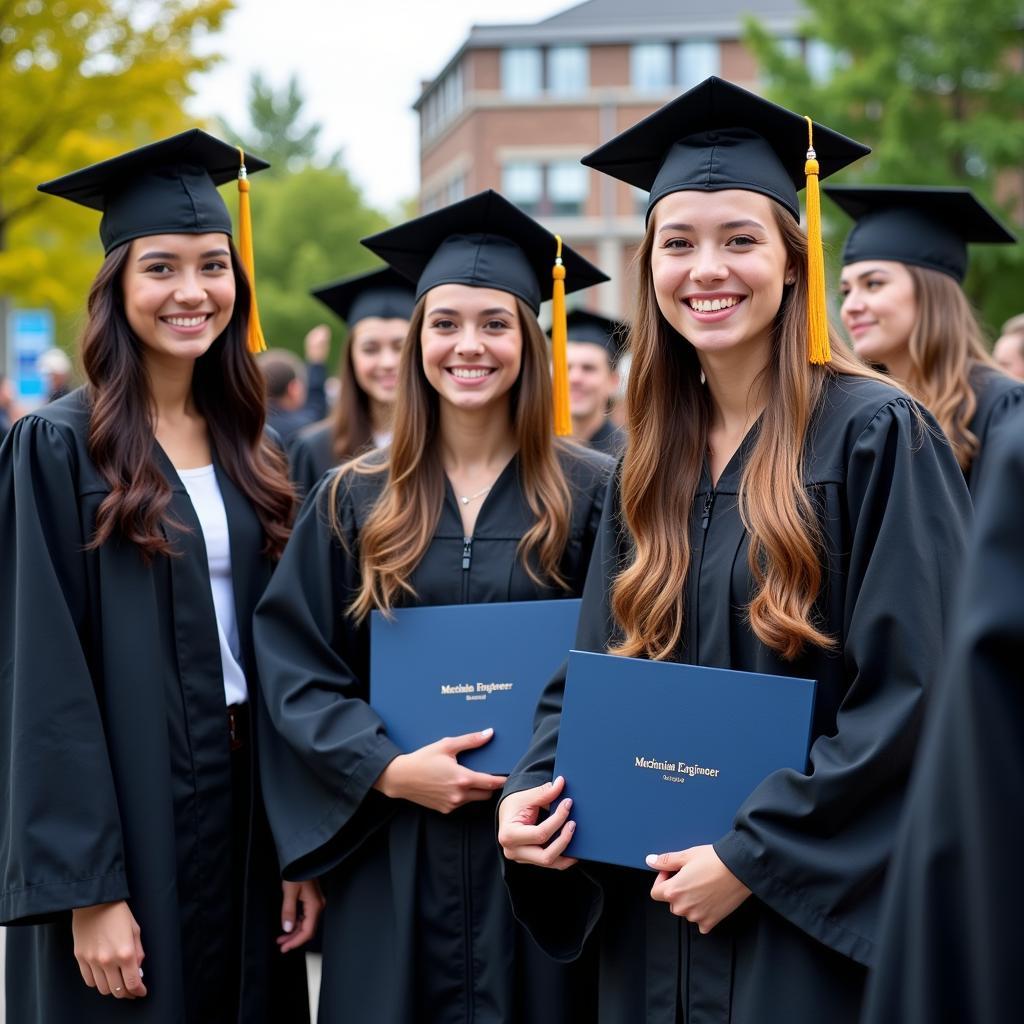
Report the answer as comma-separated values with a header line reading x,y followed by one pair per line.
x,y
697,885
432,776
523,840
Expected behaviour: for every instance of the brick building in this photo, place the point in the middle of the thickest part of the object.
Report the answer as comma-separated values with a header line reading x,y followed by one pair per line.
x,y
518,105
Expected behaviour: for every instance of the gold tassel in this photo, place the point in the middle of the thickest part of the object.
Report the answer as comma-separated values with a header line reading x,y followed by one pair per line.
x,y
559,347
255,339
819,351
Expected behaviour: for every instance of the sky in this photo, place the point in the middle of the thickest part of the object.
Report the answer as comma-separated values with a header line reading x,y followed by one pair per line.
x,y
360,64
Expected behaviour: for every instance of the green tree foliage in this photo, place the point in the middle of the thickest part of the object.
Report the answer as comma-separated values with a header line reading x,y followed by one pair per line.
x,y
306,228
935,88
276,129
308,216
79,82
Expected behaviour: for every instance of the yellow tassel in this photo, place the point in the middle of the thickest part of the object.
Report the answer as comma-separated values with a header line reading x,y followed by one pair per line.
x,y
255,339
818,349
559,347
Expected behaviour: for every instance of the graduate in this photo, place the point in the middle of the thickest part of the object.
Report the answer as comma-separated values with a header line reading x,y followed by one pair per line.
x,y
904,308
139,519
594,343
951,925
825,531
376,307
475,500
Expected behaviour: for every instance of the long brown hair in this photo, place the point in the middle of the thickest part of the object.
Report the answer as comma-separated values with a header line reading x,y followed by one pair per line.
x,y
402,522
228,392
946,346
668,411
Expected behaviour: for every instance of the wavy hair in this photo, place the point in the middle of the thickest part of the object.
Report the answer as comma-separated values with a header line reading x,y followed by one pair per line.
x,y
401,524
946,346
228,392
668,411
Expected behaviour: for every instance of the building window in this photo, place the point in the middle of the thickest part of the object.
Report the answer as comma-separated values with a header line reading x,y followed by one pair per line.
x,y
523,184
640,200
651,66
695,61
567,188
521,71
568,70
456,190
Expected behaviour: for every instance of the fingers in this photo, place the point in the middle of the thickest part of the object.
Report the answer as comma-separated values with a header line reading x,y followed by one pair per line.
x,y
667,861
86,971
468,741
289,907
299,937
550,856
312,902
133,985
480,780
515,834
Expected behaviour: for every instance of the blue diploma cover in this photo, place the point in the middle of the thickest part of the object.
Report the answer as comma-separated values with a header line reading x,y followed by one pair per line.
x,y
659,757
452,669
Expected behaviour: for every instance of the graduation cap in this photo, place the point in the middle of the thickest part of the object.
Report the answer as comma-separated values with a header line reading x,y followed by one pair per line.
x,y
595,329
926,227
487,242
718,136
383,293
169,187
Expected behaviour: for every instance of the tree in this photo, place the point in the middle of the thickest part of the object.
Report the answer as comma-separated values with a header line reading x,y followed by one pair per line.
x,y
935,88
276,130
306,228
308,215
81,82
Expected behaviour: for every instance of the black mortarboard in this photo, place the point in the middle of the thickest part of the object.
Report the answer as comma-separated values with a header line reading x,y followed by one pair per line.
x,y
597,330
384,293
485,242
718,136
926,227
167,187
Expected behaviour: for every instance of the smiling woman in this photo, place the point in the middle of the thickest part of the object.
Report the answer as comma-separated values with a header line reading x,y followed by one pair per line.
x,y
474,501
765,516
140,518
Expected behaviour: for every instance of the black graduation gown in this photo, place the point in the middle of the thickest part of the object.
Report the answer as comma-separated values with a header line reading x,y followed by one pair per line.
x,y
115,776
1000,399
609,439
950,931
417,926
893,510
310,455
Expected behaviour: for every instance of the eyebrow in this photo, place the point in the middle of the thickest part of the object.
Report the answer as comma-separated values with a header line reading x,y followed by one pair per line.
x,y
730,225
869,272
484,312
175,256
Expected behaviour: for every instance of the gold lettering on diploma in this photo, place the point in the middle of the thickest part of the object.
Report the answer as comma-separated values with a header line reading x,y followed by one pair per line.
x,y
676,771
474,691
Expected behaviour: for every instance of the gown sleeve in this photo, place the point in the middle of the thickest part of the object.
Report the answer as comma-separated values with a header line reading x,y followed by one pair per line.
x,y
951,922
1005,414
561,908
302,464
327,746
814,847
60,832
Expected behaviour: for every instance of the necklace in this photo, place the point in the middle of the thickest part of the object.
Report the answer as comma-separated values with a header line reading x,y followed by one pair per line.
x,y
467,498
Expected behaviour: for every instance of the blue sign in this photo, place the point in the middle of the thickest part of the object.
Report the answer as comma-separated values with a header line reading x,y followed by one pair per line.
x,y
30,333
